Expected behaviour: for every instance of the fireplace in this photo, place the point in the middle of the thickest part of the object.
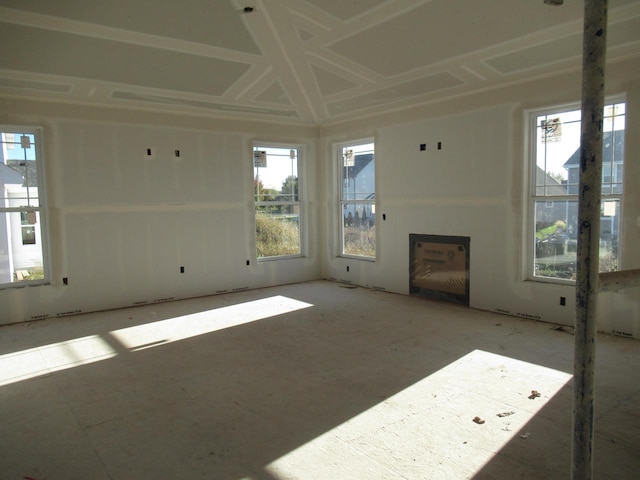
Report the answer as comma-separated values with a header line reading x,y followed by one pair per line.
x,y
439,267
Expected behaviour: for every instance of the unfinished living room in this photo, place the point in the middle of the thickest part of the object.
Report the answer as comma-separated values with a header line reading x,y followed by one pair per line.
x,y
320,239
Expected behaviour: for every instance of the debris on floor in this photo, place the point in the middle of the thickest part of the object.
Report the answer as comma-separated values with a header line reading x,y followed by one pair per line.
x,y
525,435
505,414
348,286
534,394
563,328
478,420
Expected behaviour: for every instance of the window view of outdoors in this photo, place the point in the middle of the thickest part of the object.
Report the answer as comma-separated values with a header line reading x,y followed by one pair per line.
x,y
275,174
20,235
557,171
357,200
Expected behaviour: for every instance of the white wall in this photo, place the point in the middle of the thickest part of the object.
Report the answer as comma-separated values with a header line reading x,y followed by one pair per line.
x,y
122,224
476,187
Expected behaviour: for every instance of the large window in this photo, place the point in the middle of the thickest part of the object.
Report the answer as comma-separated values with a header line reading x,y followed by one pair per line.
x,y
22,219
277,200
554,185
358,199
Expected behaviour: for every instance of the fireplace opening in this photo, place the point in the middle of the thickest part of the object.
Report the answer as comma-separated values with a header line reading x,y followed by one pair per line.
x,y
439,267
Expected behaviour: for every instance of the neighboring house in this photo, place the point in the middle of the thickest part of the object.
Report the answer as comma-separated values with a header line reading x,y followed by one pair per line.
x,y
612,175
8,177
358,182
612,163
552,211
19,236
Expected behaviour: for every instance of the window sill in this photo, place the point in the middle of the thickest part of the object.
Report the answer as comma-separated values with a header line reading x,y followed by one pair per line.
x,y
358,257
552,281
278,257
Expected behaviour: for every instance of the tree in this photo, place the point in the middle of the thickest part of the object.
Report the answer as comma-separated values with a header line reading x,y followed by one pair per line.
x,y
289,189
263,194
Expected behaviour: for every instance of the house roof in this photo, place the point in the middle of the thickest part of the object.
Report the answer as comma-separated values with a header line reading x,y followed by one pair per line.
x,y
305,62
607,151
9,176
27,171
360,162
553,187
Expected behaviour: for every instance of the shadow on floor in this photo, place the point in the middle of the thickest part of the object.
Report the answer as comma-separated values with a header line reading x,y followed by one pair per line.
x,y
227,404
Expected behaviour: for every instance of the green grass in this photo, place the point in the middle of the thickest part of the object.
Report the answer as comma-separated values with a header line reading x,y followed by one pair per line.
x,y
360,241
276,236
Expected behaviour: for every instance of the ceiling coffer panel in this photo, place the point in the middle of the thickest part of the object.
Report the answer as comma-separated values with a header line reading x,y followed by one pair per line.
x,y
439,30
330,83
209,22
187,102
274,94
345,10
35,85
561,49
398,93
46,51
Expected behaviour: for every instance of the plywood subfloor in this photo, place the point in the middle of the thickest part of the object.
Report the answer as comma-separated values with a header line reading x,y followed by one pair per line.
x,y
307,381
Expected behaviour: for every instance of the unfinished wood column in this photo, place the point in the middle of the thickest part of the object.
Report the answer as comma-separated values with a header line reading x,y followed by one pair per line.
x,y
593,80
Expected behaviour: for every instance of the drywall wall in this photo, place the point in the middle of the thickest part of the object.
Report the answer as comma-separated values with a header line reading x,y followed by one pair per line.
x,y
476,186
123,223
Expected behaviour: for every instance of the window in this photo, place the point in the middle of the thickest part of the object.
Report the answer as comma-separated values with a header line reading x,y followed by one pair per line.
x,y
357,199
554,199
22,213
277,200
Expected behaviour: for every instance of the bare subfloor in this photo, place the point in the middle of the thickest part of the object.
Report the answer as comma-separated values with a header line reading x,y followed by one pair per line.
x,y
308,381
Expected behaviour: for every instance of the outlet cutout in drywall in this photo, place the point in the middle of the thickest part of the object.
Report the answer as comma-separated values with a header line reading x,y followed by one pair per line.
x,y
150,153
563,301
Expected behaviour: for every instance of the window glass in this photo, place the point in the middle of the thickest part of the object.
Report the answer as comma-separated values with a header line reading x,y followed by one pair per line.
x,y
357,199
555,185
277,201
21,211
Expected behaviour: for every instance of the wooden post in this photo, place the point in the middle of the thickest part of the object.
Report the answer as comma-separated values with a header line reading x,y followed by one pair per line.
x,y
587,268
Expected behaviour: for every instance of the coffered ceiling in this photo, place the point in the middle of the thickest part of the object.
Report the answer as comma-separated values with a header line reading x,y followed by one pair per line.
x,y
295,61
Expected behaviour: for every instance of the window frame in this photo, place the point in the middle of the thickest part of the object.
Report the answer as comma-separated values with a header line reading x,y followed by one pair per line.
x,y
301,172
42,231
342,202
529,267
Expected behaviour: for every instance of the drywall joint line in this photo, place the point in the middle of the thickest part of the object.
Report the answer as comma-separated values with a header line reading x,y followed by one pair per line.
x,y
587,262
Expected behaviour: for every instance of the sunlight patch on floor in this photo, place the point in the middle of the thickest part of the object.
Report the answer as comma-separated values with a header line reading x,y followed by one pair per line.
x,y
187,326
429,427
54,357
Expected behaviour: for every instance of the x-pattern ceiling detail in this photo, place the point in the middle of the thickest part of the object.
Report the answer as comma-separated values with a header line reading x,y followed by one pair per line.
x,y
295,61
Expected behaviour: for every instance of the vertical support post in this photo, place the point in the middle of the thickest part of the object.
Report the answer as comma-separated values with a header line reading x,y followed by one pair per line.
x,y
593,80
